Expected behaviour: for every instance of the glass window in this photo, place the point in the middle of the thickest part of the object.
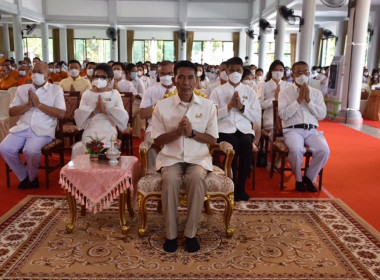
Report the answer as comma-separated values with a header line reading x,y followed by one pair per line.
x,y
96,50
33,47
138,53
153,50
328,51
212,52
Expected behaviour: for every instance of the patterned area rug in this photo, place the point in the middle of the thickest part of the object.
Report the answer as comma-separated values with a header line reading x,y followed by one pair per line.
x,y
274,239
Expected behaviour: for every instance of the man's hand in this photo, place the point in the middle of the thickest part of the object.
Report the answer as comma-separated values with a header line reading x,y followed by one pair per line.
x,y
33,98
301,95
307,92
239,105
72,88
185,127
234,101
276,92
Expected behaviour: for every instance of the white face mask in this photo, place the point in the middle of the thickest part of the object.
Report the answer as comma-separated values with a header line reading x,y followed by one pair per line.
x,y
74,73
140,73
152,73
117,74
375,76
235,77
366,73
51,70
90,72
223,75
302,79
166,80
57,70
253,72
38,79
277,75
145,71
323,72
99,83
199,73
259,78
247,82
23,73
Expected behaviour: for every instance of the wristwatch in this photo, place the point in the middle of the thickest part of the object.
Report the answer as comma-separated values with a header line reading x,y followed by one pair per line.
x,y
192,133
242,109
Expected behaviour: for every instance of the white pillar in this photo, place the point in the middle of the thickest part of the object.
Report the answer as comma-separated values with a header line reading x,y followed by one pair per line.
x,y
340,34
242,45
355,52
123,45
315,49
113,45
306,36
250,54
279,38
181,50
45,42
262,50
18,45
374,44
7,46
63,44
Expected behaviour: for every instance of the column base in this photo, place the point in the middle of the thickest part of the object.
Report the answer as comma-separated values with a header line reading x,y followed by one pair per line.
x,y
349,116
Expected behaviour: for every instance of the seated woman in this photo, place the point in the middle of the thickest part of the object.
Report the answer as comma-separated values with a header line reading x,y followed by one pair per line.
x,y
101,109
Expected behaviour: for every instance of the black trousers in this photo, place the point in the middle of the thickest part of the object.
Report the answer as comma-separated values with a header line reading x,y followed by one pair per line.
x,y
241,164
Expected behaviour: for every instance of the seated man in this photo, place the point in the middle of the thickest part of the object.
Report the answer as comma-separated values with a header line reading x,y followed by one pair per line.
x,y
239,107
75,82
300,107
24,78
184,125
39,105
7,81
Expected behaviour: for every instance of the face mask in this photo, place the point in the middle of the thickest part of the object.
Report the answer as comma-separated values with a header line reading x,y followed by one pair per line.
x,y
90,72
323,72
74,73
140,73
302,79
235,77
247,82
166,80
38,79
277,75
57,70
212,70
223,75
99,83
12,68
145,71
366,74
287,73
199,73
51,70
314,72
253,72
23,73
375,76
259,78
134,75
318,70
117,74
152,73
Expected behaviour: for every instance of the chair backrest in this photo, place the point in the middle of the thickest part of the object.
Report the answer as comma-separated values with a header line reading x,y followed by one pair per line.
x,y
128,98
72,100
277,124
5,101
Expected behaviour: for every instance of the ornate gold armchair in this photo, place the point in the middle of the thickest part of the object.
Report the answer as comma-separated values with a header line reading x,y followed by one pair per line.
x,y
219,184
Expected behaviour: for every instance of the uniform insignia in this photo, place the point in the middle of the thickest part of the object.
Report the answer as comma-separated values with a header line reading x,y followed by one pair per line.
x,y
107,99
245,97
199,116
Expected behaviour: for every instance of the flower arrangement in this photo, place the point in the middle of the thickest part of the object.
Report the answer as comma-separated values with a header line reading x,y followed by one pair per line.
x,y
95,146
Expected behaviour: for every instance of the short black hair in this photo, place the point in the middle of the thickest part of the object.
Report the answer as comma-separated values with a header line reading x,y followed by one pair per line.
x,y
184,64
118,63
90,63
234,61
129,67
73,61
246,72
259,69
106,68
299,63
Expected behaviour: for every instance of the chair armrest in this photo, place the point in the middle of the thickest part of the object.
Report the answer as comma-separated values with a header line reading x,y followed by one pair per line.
x,y
143,150
227,149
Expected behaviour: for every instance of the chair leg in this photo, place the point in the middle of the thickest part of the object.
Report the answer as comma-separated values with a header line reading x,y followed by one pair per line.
x,y
282,171
142,200
47,171
8,171
272,162
320,179
227,214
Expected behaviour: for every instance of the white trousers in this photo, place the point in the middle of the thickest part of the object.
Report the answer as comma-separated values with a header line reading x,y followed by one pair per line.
x,y
295,139
31,144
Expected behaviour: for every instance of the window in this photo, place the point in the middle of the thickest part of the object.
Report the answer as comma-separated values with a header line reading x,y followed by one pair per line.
x,y
96,50
33,47
327,51
212,52
153,50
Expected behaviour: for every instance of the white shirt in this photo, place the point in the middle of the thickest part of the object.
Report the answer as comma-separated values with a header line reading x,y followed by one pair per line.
x,y
229,122
266,100
140,89
124,86
151,97
41,123
168,113
293,113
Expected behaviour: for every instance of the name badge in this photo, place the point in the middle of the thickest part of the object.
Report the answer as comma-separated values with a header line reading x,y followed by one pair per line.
x,y
107,99
245,97
199,116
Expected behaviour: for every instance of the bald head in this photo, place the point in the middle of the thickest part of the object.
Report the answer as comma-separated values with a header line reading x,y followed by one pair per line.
x,y
41,67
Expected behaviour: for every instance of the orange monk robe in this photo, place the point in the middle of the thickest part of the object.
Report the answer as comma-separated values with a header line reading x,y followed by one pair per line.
x,y
64,75
14,74
55,77
7,83
83,73
24,80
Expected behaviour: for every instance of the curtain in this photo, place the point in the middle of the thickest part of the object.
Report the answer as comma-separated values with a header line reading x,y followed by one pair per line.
x,y
235,40
2,47
320,35
70,44
11,40
56,54
175,40
130,39
189,44
293,46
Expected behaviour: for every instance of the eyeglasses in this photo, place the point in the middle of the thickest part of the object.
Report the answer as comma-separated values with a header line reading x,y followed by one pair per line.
x,y
100,77
299,73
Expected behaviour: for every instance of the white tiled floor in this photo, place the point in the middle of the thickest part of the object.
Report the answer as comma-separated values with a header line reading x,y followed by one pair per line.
x,y
370,130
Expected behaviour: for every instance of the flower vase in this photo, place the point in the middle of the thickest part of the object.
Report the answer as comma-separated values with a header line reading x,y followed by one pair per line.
x,y
94,157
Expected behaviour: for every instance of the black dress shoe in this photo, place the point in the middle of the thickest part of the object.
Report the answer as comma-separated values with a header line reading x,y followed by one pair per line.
x,y
300,187
192,245
309,184
34,184
24,184
170,245
244,196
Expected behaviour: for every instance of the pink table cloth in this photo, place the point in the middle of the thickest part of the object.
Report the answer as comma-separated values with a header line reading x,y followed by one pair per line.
x,y
97,184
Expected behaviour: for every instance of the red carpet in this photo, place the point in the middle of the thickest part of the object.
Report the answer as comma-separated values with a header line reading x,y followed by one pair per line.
x,y
372,123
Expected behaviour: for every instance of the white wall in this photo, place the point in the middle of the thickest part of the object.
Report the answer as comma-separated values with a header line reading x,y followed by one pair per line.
x,y
34,5
76,8
147,9
215,11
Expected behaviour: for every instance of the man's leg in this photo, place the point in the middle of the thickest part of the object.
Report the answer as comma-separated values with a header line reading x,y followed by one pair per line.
x,y
321,152
152,154
294,140
171,183
245,161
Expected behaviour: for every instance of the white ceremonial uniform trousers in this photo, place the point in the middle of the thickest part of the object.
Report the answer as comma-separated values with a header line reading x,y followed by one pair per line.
x,y
295,139
32,144
173,177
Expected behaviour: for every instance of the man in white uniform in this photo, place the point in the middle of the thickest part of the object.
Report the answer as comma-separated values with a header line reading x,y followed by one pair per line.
x,y
300,107
239,107
184,124
39,105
